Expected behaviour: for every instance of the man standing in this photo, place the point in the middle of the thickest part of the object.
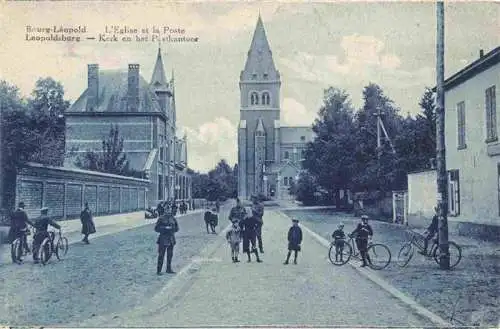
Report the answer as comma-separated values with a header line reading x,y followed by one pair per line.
x,y
167,226
362,234
88,226
258,213
238,212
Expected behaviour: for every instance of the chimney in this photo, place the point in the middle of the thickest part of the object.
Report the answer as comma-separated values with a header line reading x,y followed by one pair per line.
x,y
481,53
93,87
133,88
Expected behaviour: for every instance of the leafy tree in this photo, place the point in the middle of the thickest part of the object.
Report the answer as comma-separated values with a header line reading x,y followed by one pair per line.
x,y
47,106
329,158
219,183
111,159
305,189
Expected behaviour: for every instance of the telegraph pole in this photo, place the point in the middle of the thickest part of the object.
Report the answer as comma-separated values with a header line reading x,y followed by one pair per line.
x,y
442,181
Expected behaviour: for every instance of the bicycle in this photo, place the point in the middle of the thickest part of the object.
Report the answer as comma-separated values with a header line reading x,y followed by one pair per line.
x,y
417,240
378,255
47,247
19,247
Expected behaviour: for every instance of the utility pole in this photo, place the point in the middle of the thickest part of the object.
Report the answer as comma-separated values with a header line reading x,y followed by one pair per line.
x,y
442,181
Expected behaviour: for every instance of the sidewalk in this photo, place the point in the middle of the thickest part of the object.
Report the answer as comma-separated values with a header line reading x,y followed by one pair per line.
x,y
105,225
216,292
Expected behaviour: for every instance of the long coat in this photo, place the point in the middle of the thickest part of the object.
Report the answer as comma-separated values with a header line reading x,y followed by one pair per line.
x,y
294,238
88,226
167,226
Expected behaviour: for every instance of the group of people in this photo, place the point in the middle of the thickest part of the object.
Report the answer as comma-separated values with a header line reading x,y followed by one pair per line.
x,y
20,221
362,234
246,226
151,212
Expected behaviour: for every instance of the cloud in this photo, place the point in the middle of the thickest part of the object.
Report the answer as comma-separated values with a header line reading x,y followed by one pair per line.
x,y
211,142
295,113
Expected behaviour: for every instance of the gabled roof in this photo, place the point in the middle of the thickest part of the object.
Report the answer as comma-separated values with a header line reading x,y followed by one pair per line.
x,y
260,58
278,167
113,88
476,67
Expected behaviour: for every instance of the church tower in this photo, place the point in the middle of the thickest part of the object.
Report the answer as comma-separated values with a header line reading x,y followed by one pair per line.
x,y
258,142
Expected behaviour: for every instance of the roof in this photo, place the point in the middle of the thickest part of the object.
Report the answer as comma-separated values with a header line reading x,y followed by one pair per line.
x,y
159,80
260,58
488,60
113,86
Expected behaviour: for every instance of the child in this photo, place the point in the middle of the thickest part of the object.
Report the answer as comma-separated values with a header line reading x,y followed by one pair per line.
x,y
294,241
233,236
362,234
339,240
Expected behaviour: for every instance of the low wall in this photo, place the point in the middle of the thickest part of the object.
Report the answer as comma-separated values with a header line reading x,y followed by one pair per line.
x,y
64,191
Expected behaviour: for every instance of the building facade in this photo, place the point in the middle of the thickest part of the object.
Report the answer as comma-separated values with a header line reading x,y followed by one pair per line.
x,y
145,115
472,145
269,155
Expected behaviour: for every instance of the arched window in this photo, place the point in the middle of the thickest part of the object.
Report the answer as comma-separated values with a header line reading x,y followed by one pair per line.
x,y
266,99
286,155
254,98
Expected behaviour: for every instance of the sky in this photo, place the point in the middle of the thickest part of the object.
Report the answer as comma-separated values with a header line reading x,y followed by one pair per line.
x,y
315,45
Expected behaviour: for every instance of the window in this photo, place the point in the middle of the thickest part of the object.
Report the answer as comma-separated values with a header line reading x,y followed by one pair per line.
x,y
453,193
265,75
286,155
266,99
491,115
162,141
160,187
254,76
461,125
302,138
303,154
254,98
285,182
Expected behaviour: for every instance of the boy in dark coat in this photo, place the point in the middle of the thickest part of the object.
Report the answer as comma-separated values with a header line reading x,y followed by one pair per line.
x,y
294,241
167,226
249,227
88,226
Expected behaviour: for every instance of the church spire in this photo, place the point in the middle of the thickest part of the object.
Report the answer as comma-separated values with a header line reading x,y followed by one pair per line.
x,y
158,80
259,64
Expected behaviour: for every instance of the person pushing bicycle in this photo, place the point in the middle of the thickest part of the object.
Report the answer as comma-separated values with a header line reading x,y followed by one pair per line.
x,y
431,230
42,226
362,234
19,227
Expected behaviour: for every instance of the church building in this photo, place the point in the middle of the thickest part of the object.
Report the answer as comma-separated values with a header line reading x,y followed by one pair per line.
x,y
269,154
145,115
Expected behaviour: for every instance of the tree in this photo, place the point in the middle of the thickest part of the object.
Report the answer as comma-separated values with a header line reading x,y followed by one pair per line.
x,y
329,158
305,189
47,106
111,159
219,183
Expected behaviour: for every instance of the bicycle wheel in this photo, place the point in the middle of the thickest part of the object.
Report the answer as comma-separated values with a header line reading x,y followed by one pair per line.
x,y
405,254
344,255
455,254
379,256
16,250
45,251
61,248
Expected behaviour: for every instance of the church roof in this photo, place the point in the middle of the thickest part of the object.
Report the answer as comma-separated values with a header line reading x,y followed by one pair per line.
x,y
113,89
159,80
259,64
260,126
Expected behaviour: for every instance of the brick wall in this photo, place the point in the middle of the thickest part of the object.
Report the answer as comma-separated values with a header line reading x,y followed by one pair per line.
x,y
64,191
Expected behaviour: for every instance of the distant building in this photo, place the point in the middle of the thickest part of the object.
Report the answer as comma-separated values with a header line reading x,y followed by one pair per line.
x,y
269,155
145,114
472,145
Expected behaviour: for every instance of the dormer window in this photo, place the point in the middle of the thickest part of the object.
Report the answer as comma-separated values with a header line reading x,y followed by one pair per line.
x,y
266,99
254,76
265,75
254,98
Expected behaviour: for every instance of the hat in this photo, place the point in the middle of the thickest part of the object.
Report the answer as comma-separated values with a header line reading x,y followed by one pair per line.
x,y
44,209
295,220
341,224
364,217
